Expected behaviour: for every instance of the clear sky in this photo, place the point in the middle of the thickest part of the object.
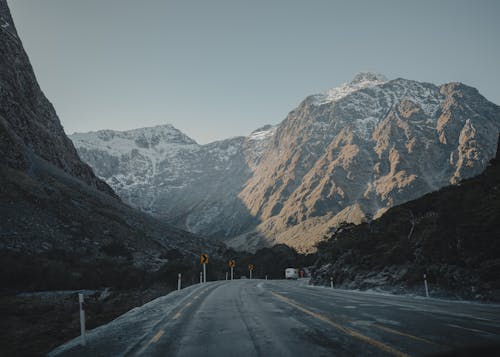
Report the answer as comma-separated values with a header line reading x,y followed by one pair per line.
x,y
221,68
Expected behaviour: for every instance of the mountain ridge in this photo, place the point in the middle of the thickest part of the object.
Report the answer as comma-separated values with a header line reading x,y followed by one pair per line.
x,y
348,156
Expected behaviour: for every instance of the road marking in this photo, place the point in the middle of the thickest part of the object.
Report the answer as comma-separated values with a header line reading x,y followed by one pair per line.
x,y
472,329
157,336
406,305
175,317
390,330
344,329
396,332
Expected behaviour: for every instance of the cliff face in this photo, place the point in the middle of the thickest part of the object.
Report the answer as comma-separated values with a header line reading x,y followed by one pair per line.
x,y
451,235
28,116
358,150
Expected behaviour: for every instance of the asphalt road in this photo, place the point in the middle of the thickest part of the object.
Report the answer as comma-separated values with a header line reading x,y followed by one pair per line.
x,y
289,318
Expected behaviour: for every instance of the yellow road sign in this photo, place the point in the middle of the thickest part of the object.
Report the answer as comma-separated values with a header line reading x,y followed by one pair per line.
x,y
232,263
250,266
204,259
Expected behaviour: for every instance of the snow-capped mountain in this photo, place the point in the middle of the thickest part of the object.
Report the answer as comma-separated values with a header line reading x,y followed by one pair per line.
x,y
345,155
162,171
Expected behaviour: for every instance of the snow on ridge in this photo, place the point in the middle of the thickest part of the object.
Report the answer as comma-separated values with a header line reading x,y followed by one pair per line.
x,y
360,81
262,133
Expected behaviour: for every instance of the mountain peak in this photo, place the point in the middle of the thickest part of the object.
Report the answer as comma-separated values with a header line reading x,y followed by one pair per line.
x,y
360,81
368,77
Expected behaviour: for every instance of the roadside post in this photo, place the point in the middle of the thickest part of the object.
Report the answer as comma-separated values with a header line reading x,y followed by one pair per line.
x,y
232,264
426,286
201,277
204,262
226,275
179,282
83,341
250,269
331,282
266,276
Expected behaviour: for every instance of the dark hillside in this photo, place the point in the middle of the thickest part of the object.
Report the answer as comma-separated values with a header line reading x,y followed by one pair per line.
x,y
452,235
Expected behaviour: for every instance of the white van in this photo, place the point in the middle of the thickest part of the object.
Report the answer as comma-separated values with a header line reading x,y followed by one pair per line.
x,y
291,273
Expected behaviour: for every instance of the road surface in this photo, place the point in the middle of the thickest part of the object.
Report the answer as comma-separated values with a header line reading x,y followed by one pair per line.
x,y
289,318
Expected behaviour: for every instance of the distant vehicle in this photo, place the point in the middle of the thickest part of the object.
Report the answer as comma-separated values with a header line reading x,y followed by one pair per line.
x,y
291,273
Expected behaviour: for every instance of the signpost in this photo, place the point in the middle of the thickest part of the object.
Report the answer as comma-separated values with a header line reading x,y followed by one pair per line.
x,y
232,264
250,268
204,262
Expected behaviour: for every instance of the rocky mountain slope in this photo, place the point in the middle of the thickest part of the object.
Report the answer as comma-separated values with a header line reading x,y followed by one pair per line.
x,y
22,101
364,147
163,172
343,156
61,226
452,235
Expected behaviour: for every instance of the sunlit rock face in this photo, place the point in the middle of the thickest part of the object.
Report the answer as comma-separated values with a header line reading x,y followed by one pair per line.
x,y
348,154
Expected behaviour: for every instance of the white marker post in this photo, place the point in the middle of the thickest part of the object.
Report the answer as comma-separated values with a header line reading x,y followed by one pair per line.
x,y
82,319
331,282
266,277
179,282
205,273
201,277
426,287
232,271
226,275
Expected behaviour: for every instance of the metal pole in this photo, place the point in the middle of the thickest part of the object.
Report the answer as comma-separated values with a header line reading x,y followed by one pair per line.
x,y
205,273
201,277
179,282
232,275
226,275
426,287
331,282
251,274
82,319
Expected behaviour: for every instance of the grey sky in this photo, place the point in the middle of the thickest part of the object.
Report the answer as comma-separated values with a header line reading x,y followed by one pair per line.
x,y
221,68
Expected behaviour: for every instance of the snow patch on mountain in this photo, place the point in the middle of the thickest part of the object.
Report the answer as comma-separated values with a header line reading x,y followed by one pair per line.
x,y
360,81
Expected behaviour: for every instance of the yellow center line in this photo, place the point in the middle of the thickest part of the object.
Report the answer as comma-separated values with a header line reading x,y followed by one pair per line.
x,y
157,336
175,317
396,332
344,329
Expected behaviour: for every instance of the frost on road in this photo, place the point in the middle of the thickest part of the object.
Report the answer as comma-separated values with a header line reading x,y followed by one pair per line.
x,y
289,318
